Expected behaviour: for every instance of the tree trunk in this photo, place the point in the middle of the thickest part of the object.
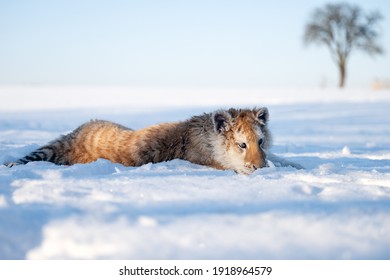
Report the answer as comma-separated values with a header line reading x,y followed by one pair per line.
x,y
342,73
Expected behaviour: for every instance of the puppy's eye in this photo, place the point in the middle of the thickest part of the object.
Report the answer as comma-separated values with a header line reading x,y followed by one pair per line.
x,y
261,141
242,145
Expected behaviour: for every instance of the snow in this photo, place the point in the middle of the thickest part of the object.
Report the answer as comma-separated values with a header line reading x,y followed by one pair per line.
x,y
338,207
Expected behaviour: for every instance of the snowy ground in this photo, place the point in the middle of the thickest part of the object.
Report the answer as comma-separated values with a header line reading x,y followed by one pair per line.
x,y
337,208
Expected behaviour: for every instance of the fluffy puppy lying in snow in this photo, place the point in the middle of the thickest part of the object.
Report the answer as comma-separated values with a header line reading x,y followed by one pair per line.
x,y
235,139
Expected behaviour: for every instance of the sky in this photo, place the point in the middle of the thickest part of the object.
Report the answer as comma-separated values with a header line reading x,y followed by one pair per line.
x,y
172,43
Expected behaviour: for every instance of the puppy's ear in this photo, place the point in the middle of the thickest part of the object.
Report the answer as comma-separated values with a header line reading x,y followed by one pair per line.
x,y
262,115
221,121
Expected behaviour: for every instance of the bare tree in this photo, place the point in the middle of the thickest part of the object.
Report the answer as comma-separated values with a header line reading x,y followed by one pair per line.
x,y
342,28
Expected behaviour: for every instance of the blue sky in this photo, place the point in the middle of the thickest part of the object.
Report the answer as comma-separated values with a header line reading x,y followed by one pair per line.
x,y
198,43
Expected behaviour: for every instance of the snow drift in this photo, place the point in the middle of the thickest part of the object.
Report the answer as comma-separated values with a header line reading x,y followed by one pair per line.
x,y
337,208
